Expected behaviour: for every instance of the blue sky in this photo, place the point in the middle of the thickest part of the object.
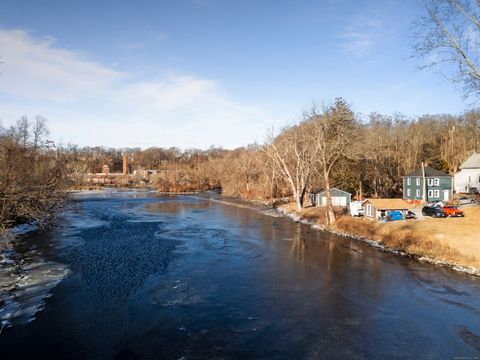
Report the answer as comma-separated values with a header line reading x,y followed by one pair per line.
x,y
195,73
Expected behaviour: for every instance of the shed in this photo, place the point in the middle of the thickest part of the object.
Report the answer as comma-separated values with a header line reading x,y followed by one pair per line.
x,y
378,208
339,198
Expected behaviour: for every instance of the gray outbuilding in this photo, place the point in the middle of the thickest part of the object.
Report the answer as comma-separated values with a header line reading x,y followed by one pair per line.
x,y
340,198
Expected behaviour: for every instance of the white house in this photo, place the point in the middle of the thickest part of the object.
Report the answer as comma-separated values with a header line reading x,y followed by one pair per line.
x,y
467,180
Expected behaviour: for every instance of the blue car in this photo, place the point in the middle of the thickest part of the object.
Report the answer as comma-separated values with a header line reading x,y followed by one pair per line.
x,y
394,215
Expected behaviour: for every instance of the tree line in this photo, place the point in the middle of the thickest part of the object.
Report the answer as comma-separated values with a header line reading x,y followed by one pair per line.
x,y
330,147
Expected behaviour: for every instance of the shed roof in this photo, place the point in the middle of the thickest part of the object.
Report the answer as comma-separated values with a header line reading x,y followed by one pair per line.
x,y
390,204
473,162
429,172
335,191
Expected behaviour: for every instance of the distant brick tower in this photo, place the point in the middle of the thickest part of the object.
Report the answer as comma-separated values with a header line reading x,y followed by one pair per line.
x,y
124,164
105,170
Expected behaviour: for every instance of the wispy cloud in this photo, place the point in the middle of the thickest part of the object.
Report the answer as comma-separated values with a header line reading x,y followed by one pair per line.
x,y
362,34
89,103
35,68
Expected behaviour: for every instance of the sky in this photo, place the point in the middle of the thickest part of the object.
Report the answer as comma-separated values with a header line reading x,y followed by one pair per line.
x,y
196,73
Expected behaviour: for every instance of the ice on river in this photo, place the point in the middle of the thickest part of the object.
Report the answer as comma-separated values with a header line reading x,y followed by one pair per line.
x,y
25,284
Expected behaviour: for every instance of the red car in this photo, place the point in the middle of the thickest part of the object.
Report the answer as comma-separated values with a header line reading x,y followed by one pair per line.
x,y
452,211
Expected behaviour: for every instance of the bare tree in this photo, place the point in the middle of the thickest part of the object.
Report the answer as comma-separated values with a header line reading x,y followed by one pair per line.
x,y
293,154
449,32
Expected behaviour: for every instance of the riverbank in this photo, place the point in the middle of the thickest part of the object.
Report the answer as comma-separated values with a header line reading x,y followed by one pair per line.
x,y
451,242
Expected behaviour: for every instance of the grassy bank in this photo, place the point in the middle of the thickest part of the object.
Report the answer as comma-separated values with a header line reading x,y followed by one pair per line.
x,y
452,241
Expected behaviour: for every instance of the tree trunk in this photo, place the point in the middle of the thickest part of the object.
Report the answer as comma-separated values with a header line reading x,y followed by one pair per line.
x,y
330,215
298,202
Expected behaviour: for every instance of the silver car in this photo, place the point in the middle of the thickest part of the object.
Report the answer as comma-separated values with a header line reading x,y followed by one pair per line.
x,y
465,200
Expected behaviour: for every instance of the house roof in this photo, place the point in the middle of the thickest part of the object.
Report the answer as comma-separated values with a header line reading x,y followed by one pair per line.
x,y
335,191
473,162
390,204
429,172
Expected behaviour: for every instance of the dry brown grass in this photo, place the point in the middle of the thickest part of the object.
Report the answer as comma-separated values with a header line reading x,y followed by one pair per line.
x,y
452,240
461,235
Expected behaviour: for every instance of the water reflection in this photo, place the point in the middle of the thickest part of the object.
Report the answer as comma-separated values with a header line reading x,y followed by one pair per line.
x,y
176,207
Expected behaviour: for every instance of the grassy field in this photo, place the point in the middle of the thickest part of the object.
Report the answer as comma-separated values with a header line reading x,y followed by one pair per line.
x,y
452,240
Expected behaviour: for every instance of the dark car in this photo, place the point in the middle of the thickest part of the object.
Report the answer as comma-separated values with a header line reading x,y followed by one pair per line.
x,y
433,211
410,215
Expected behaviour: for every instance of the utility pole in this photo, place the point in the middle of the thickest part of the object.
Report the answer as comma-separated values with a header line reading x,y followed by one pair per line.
x,y
424,185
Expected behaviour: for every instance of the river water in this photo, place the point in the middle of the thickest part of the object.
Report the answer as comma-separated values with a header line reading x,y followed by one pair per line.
x,y
129,275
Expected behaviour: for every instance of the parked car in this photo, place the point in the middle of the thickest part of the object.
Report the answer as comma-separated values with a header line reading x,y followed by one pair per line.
x,y
410,215
437,203
453,211
465,200
433,211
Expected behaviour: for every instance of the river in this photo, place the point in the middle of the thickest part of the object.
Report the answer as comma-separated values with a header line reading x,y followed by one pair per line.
x,y
133,275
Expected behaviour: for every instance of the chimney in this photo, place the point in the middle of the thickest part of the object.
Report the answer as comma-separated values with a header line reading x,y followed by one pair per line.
x,y
124,164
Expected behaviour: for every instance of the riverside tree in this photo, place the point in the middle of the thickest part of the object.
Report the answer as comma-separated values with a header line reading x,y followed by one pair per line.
x,y
293,154
32,175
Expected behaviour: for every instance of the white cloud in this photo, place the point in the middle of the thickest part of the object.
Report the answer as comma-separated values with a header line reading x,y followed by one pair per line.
x,y
91,104
362,34
34,68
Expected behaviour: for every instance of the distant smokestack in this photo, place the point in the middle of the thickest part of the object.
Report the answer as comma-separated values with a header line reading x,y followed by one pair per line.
x,y
124,164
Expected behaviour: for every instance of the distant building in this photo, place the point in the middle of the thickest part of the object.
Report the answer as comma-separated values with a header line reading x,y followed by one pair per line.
x,y
339,198
439,186
467,180
145,173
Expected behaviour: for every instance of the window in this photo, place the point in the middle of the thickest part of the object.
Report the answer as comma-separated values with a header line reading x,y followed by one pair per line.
x,y
430,193
409,192
430,182
370,210
418,181
437,193
469,179
418,193
437,181
409,181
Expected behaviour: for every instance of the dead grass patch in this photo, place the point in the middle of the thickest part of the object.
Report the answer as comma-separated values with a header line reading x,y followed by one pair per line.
x,y
454,240
409,237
